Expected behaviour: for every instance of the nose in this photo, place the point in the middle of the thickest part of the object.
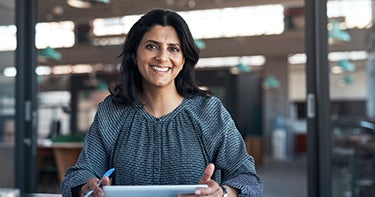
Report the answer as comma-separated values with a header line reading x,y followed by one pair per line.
x,y
162,55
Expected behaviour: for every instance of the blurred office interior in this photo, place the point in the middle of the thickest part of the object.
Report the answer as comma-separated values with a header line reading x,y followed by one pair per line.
x,y
297,76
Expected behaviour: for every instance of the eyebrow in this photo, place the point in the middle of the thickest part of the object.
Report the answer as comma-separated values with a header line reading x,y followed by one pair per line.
x,y
169,44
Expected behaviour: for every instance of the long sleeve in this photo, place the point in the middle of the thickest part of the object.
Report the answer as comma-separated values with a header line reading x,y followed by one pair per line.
x,y
226,146
95,156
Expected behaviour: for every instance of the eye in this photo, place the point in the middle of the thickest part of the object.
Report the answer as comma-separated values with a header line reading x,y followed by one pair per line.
x,y
151,46
174,49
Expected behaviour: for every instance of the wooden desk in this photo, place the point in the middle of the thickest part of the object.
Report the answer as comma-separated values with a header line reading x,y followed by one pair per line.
x,y
65,154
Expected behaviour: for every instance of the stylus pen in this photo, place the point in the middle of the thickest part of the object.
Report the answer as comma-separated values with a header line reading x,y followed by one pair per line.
x,y
106,174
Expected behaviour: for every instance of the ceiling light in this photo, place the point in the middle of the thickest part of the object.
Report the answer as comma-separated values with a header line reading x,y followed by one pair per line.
x,y
43,70
61,70
231,61
86,3
82,68
298,58
10,72
336,70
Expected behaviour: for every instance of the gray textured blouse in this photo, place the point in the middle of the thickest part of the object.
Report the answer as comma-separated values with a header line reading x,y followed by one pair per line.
x,y
173,149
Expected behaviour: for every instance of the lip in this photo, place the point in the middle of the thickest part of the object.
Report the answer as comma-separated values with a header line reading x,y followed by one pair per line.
x,y
159,68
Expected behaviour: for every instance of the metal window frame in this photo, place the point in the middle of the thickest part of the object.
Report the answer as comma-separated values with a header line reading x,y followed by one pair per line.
x,y
26,90
318,99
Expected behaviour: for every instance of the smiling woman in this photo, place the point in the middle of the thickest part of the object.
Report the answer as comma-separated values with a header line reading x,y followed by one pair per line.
x,y
159,58
158,127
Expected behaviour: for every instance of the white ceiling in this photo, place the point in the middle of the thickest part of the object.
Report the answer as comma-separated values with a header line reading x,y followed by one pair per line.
x,y
46,8
130,7
273,45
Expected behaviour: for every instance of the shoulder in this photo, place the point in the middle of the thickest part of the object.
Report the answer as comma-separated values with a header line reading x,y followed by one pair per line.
x,y
206,109
207,105
204,102
109,111
108,105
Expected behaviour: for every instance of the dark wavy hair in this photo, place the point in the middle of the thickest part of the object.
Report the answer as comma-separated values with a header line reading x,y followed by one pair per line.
x,y
126,91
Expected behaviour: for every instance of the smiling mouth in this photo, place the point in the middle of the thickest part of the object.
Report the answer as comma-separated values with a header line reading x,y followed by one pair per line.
x,y
160,69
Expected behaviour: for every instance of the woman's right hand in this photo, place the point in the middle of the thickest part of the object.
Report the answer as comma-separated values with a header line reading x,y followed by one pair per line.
x,y
92,184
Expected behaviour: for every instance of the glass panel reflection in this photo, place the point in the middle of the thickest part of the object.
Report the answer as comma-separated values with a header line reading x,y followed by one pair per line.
x,y
353,125
7,99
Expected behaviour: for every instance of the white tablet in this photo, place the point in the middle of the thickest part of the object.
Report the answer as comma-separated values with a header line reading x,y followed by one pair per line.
x,y
149,190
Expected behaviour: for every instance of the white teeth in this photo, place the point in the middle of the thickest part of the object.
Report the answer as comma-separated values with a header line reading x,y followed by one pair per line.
x,y
161,69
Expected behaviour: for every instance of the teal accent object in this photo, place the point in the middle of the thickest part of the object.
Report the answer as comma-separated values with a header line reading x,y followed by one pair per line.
x,y
75,137
200,44
50,54
243,68
102,86
272,82
346,65
337,34
348,79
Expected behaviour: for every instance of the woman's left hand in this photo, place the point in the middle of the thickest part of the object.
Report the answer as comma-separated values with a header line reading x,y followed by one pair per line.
x,y
213,189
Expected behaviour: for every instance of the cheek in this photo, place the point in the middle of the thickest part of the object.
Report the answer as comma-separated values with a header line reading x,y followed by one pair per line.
x,y
181,63
139,60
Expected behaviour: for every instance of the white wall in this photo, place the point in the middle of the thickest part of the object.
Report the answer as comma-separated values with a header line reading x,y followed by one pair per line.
x,y
338,91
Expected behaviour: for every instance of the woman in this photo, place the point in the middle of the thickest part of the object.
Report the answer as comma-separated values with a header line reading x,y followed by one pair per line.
x,y
157,127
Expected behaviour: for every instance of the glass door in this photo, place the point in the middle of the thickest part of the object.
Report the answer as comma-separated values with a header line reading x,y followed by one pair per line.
x,y
351,39
17,96
7,93
25,97
340,97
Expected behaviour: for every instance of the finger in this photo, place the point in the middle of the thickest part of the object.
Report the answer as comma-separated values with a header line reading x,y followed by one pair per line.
x,y
105,181
92,183
84,190
208,172
212,189
98,192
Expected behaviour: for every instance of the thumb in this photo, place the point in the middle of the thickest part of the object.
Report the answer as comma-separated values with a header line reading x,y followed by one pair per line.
x,y
208,172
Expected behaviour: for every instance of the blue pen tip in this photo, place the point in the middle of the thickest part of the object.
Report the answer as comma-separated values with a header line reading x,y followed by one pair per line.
x,y
109,172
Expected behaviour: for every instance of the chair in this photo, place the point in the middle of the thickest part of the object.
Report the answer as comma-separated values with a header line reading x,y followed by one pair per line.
x,y
353,151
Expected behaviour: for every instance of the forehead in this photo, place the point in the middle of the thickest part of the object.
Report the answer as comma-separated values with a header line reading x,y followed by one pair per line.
x,y
162,34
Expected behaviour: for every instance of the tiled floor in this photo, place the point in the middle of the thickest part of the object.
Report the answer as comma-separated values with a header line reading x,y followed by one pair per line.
x,y
284,178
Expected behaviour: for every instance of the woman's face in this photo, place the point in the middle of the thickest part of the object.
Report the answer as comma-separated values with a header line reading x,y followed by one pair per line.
x,y
159,57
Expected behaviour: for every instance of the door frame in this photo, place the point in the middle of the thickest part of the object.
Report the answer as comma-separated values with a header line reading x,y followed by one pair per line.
x,y
26,103
319,173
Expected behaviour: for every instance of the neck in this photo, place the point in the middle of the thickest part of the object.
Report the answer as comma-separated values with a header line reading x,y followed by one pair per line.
x,y
160,103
